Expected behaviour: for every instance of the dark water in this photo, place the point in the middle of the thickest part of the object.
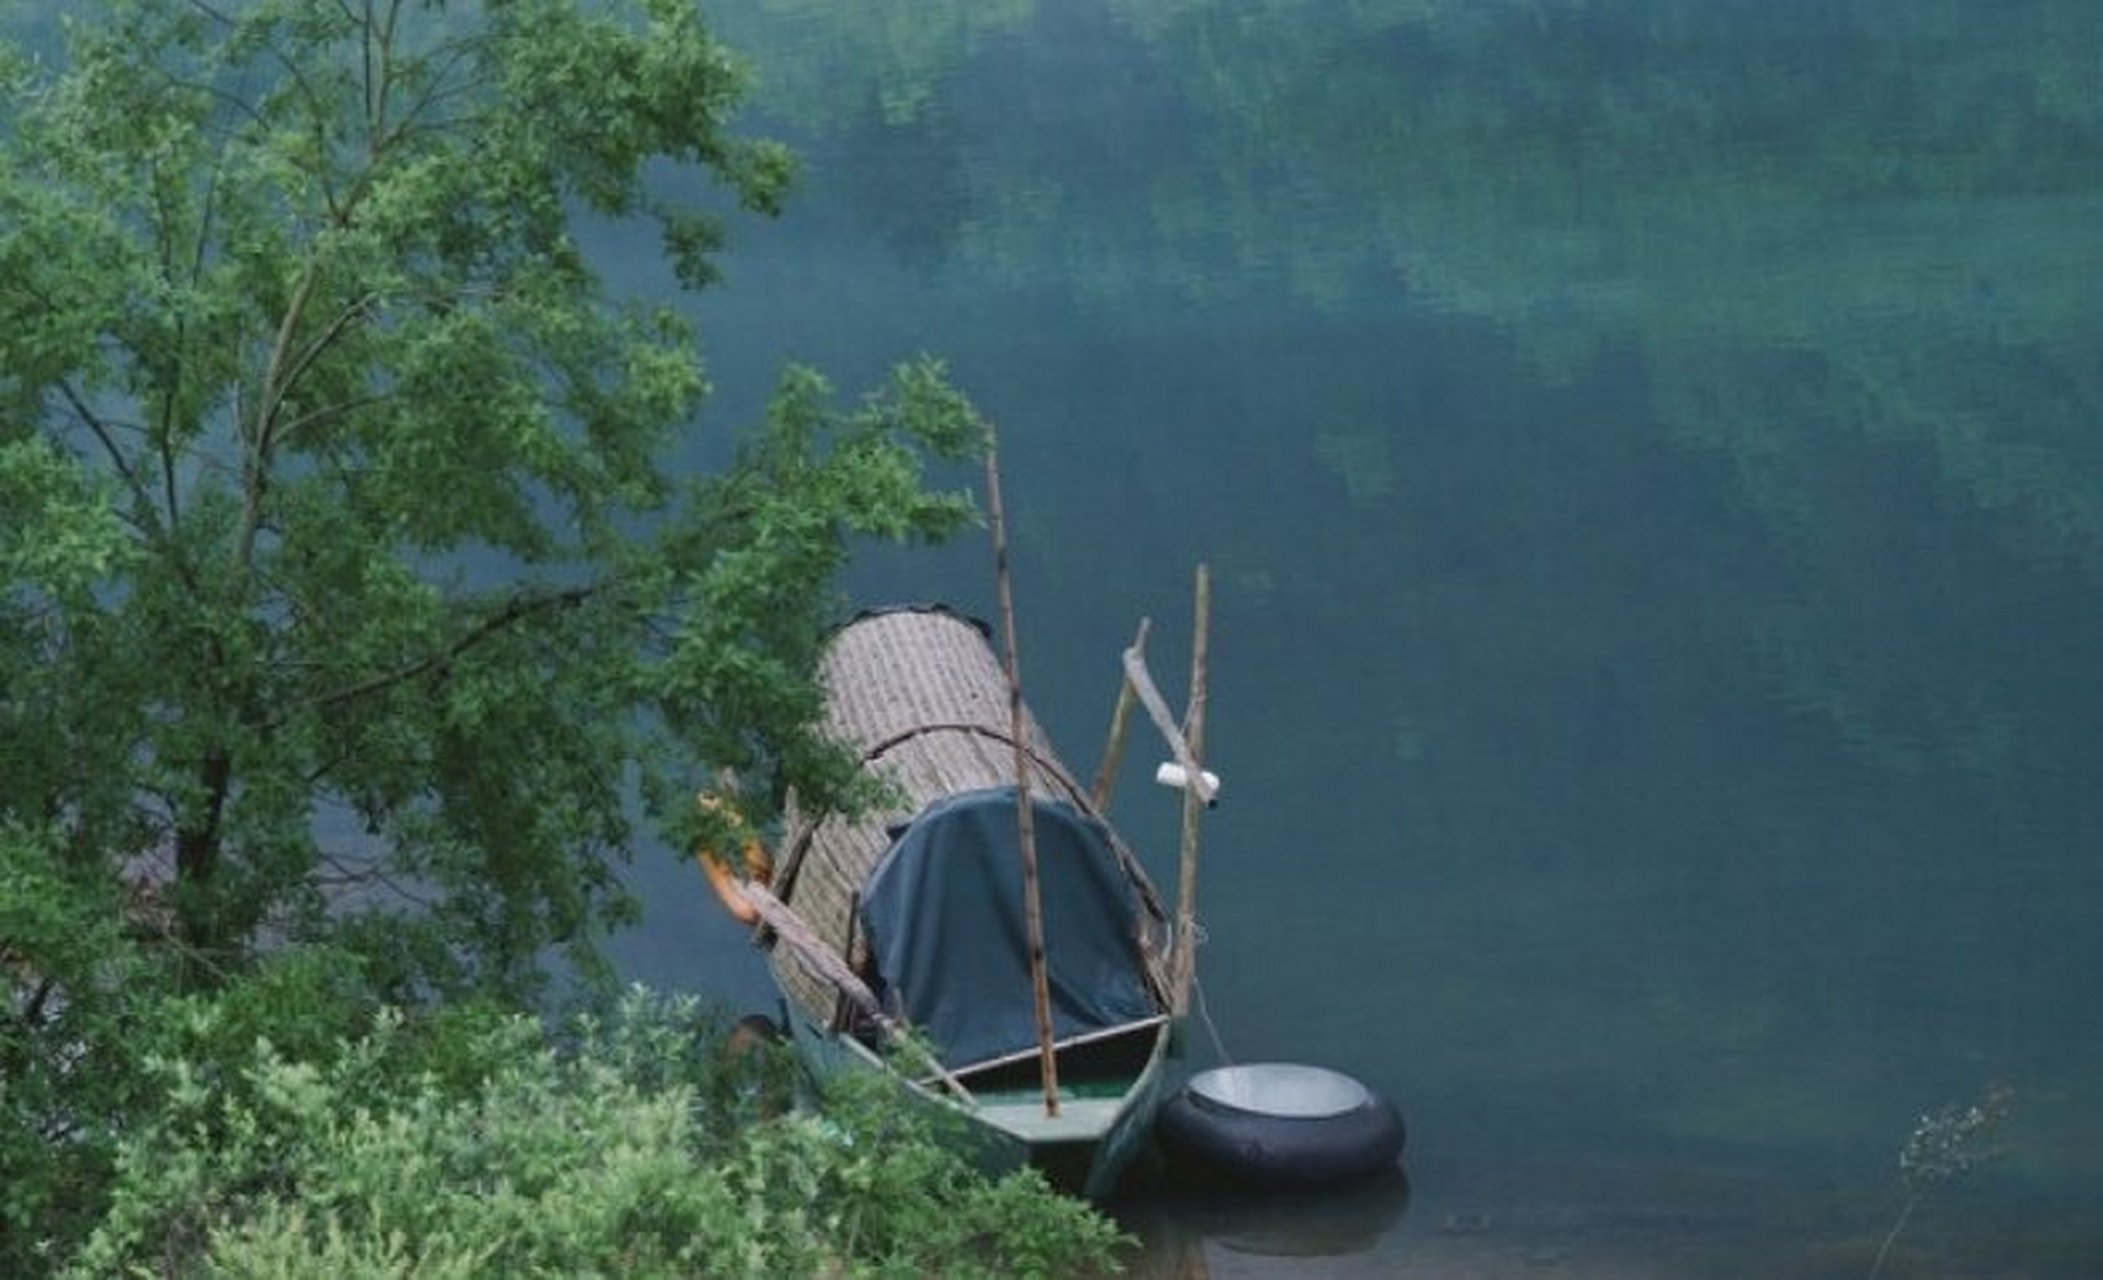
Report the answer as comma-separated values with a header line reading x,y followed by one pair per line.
x,y
1651,455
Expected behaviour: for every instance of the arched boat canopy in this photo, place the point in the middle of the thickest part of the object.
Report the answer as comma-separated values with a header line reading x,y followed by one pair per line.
x,y
943,917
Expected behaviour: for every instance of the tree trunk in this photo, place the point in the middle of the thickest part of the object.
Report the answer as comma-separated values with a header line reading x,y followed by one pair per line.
x,y
197,847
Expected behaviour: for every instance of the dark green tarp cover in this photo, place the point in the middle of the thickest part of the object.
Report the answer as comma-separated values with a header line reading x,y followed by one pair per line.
x,y
944,921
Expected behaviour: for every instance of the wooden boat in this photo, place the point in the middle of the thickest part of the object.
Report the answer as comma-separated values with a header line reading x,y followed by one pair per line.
x,y
914,915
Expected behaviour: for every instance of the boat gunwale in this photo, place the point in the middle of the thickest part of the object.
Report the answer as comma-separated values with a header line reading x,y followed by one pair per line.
x,y
1097,1036
1140,1095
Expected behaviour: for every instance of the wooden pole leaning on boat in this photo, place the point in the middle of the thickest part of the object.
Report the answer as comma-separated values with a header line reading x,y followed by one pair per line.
x,y
791,930
1025,824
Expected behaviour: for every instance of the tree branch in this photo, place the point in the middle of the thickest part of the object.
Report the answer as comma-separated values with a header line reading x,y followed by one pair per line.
x,y
437,90
516,610
101,431
372,102
256,471
326,412
197,851
372,873
303,361
223,97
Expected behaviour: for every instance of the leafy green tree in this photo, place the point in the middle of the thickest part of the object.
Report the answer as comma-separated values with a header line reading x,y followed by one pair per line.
x,y
334,483
347,596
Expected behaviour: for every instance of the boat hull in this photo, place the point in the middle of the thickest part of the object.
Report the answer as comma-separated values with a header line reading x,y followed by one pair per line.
x,y
1084,1152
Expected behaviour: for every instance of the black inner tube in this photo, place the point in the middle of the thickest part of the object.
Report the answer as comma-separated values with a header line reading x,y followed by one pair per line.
x,y
1251,1146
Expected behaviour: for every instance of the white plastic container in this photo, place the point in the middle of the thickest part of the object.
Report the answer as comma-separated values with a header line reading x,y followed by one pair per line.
x,y
1171,774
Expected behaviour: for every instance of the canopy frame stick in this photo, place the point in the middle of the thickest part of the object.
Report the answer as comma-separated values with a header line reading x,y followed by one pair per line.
x,y
1025,824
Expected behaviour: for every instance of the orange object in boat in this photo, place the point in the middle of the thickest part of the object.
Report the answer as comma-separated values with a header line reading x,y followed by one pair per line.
x,y
759,867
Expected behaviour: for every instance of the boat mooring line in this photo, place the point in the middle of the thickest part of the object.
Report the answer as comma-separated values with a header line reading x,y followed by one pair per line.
x,y
1197,988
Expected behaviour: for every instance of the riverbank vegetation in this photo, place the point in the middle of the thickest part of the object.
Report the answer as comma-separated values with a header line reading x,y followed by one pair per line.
x,y
364,600
470,1142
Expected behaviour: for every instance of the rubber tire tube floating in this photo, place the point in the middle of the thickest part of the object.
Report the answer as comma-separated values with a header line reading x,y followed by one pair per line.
x,y
1281,1124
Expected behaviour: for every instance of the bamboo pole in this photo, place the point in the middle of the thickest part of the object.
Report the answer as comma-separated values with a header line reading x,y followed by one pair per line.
x,y
1184,970
1025,822
1114,749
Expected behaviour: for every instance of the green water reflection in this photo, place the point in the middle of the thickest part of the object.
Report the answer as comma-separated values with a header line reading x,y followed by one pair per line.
x,y
1652,458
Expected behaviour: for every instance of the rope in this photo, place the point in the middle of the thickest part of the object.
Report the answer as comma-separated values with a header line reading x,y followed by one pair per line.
x,y
1197,988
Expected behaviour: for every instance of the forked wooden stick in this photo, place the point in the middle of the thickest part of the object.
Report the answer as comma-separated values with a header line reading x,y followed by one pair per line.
x,y
1114,749
1142,682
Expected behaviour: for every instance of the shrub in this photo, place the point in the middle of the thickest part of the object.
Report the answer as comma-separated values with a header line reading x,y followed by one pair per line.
x,y
628,1147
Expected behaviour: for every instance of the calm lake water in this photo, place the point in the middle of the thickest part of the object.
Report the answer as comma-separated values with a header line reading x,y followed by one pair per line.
x,y
1651,457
